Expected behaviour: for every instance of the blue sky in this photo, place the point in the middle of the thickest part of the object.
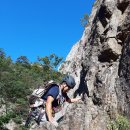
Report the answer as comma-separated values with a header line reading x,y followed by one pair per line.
x,y
35,28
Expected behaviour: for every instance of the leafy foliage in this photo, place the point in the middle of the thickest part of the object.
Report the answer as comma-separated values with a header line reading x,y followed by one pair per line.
x,y
18,79
84,20
6,118
22,128
120,123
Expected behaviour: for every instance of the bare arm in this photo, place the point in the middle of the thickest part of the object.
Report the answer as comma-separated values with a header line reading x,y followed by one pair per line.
x,y
49,101
73,100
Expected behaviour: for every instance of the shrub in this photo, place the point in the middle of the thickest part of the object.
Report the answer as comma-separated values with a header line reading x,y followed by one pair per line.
x,y
17,120
22,128
84,20
6,118
120,123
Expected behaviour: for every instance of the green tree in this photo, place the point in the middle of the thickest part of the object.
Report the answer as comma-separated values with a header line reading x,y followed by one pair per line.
x,y
84,20
120,123
23,60
49,65
18,79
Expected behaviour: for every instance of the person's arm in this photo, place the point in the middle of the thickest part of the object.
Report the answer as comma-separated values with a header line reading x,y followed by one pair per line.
x,y
49,101
50,96
72,100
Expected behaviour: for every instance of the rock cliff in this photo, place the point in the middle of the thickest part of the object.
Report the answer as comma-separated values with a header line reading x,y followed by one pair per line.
x,y
100,63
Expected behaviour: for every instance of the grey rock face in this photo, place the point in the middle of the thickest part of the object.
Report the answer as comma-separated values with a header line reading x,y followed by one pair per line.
x,y
124,72
100,63
102,71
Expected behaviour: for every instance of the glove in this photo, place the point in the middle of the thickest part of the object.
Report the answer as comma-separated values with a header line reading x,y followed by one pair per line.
x,y
54,123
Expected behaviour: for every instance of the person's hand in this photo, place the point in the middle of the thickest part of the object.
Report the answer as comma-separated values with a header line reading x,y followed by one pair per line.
x,y
75,100
54,123
78,99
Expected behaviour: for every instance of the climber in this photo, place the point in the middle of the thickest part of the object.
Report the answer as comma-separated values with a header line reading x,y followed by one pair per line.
x,y
56,96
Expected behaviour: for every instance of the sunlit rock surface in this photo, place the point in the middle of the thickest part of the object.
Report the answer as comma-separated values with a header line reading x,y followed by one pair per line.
x,y
100,63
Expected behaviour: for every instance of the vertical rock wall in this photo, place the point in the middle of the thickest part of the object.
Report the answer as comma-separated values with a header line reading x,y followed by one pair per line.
x,y
100,62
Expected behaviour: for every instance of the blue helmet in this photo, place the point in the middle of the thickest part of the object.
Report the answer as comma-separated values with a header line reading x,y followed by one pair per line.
x,y
70,81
